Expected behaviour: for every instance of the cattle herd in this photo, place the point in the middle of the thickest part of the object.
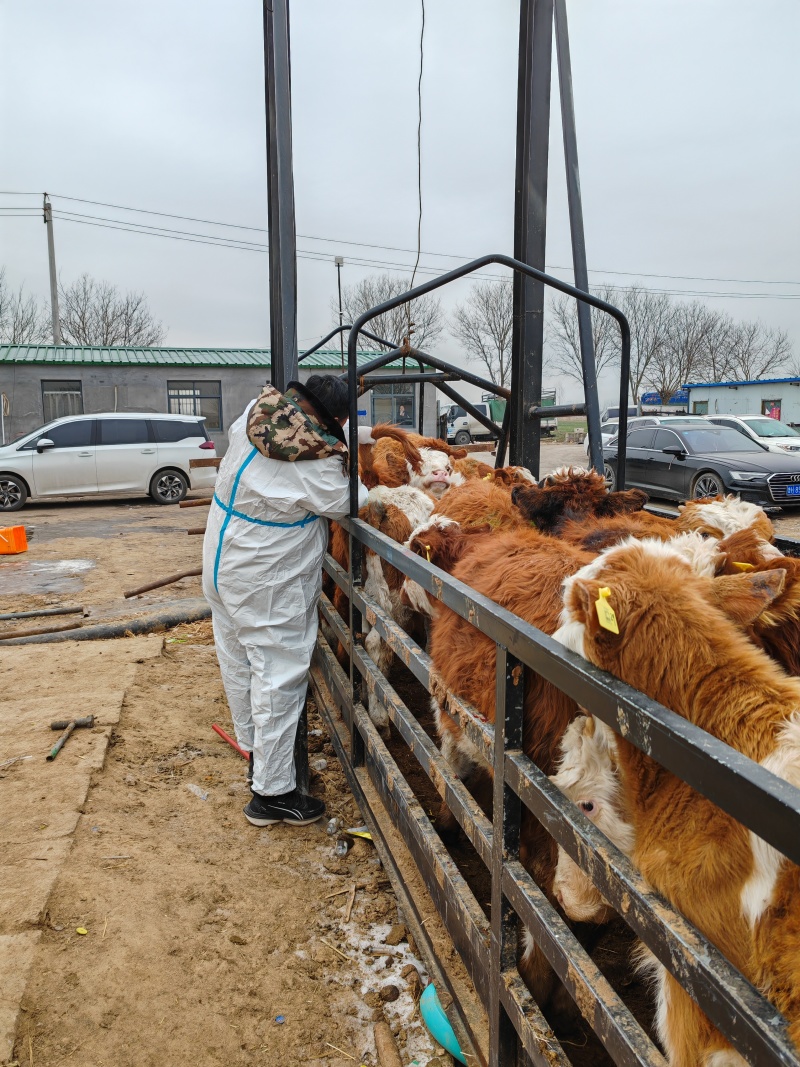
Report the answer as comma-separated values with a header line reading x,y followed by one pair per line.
x,y
702,613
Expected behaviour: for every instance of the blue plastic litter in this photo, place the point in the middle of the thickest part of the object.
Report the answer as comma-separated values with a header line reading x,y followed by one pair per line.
x,y
437,1022
280,1019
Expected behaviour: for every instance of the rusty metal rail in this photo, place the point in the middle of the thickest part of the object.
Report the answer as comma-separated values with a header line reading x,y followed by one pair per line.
x,y
766,804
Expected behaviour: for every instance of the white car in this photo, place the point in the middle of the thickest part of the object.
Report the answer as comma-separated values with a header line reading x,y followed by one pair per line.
x,y
771,433
108,453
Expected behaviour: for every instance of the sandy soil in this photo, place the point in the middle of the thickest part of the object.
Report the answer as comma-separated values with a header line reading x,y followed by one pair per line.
x,y
207,939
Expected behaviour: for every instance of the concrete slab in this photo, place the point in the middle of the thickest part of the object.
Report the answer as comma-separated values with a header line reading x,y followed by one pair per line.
x,y
42,801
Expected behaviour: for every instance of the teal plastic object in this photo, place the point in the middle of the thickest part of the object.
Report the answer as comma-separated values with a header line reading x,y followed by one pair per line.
x,y
437,1022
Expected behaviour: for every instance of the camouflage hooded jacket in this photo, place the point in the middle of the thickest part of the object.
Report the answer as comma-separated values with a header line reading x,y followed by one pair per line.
x,y
279,428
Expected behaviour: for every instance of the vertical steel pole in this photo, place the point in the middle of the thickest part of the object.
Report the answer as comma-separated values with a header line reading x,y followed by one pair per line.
x,y
507,822
530,225
339,265
51,255
577,234
280,195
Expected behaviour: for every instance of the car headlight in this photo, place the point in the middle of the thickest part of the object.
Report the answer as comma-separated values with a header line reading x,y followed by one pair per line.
x,y
747,476
790,448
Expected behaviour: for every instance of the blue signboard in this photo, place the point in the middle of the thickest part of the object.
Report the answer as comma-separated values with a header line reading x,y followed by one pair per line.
x,y
681,397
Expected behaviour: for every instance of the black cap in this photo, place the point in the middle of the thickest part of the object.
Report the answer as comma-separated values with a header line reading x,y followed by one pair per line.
x,y
328,396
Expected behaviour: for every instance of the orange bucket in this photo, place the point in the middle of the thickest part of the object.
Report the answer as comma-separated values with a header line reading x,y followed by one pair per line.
x,y
13,540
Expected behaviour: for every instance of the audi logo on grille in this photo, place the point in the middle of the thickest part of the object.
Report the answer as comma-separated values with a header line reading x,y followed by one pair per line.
x,y
795,478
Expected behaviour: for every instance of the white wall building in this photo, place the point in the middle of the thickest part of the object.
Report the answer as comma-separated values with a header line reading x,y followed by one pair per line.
x,y
777,397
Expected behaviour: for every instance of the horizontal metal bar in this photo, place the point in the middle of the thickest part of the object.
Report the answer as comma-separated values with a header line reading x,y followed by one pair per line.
x,y
465,1023
335,621
760,800
556,411
478,731
452,790
739,1010
610,1019
336,572
368,381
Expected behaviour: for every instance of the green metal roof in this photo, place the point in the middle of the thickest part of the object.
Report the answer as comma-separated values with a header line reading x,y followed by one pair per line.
x,y
325,359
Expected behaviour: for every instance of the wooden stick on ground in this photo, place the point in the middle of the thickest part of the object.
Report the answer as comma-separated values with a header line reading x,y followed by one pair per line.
x,y
350,902
385,1047
197,530
163,581
8,635
199,502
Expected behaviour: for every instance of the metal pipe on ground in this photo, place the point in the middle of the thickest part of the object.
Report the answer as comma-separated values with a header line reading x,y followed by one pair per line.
x,y
195,573
40,614
192,610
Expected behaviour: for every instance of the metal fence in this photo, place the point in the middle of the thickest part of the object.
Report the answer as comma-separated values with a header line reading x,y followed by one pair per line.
x,y
517,1029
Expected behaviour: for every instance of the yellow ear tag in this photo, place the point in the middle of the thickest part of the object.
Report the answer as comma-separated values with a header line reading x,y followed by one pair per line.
x,y
488,477
744,566
605,613
428,553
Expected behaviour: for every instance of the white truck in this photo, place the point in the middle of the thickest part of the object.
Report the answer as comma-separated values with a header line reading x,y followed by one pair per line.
x,y
462,428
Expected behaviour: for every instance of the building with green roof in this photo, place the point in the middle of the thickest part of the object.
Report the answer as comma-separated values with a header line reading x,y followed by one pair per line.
x,y
39,383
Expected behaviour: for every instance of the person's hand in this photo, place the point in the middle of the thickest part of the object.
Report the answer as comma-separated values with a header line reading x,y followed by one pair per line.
x,y
365,435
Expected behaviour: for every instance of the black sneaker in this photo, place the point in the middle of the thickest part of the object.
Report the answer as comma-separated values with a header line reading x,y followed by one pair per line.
x,y
293,807
250,769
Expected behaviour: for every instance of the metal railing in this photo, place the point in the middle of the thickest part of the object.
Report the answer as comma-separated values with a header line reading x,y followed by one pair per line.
x,y
767,805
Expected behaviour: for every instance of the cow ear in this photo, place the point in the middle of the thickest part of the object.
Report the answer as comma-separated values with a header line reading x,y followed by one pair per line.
x,y
743,597
584,596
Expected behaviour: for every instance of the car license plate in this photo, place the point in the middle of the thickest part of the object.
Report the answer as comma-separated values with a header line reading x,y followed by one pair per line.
x,y
793,490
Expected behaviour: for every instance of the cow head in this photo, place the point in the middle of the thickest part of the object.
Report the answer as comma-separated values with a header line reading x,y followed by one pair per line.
x,y
587,774
721,516
443,542
435,473
569,493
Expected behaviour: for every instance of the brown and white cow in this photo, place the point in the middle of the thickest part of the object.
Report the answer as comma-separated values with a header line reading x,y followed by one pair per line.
x,y
734,887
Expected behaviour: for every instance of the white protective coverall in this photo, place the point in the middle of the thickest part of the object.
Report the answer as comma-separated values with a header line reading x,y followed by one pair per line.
x,y
262,575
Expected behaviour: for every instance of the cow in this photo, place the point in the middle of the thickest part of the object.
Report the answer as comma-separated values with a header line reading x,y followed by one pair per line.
x,y
739,891
572,492
433,471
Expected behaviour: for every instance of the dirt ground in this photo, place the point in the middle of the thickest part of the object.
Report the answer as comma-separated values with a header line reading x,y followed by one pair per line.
x,y
206,938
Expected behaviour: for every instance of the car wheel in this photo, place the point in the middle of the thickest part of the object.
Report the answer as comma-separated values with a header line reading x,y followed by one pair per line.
x,y
13,492
611,477
169,487
707,484
463,437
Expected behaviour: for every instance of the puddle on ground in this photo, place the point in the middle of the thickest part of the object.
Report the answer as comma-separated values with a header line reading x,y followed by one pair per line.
x,y
33,577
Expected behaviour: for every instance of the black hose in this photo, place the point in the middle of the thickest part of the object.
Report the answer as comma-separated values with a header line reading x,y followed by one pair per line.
x,y
190,611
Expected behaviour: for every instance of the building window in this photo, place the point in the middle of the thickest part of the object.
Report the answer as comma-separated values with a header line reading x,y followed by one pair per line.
x,y
700,407
393,403
772,408
197,398
61,398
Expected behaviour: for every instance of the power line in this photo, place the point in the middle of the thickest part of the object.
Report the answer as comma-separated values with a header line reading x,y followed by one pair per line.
x,y
394,248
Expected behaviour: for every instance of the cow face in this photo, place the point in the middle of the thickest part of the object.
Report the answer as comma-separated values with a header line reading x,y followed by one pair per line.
x,y
435,473
588,775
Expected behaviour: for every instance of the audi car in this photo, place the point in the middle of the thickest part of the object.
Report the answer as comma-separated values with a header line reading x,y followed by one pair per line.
x,y
108,453
692,459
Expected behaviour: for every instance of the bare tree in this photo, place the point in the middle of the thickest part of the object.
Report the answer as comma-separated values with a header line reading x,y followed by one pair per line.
x,y
757,351
426,316
484,324
563,336
691,329
23,319
647,314
97,313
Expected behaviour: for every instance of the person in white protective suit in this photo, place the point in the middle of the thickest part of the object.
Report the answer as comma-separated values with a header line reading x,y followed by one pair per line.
x,y
283,476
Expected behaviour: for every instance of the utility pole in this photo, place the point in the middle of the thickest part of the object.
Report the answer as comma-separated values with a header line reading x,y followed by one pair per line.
x,y
339,265
51,252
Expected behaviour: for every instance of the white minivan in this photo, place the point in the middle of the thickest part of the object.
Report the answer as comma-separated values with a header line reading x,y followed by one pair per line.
x,y
118,452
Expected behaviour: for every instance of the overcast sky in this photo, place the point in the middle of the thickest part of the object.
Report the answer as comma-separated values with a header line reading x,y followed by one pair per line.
x,y
688,117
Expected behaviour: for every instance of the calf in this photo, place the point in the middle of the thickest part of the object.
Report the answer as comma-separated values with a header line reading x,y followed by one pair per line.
x,y
433,471
572,492
737,889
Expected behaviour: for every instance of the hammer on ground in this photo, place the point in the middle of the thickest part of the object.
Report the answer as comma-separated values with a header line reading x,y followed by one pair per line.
x,y
67,725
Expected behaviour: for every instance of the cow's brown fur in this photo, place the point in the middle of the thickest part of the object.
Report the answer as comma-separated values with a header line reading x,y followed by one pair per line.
x,y
583,494
477,503
522,570
687,848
